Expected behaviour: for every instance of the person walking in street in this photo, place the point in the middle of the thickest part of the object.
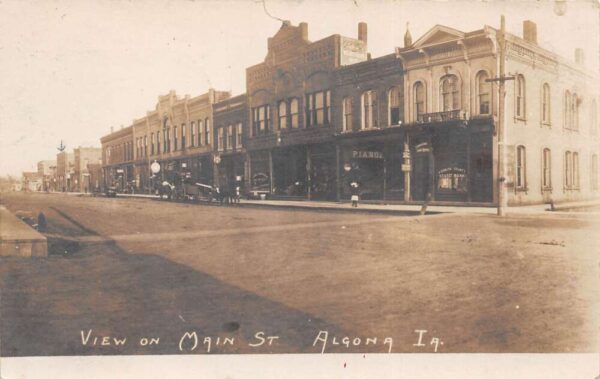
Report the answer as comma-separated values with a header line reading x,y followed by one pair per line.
x,y
354,193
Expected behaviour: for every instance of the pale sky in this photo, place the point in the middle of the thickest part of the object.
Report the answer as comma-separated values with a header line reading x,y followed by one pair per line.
x,y
72,69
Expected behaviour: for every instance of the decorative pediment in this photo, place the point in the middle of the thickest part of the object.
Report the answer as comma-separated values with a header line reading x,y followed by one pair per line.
x,y
437,35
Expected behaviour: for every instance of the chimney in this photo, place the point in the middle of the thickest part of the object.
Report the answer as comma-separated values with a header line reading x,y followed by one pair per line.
x,y
362,31
530,31
579,57
304,29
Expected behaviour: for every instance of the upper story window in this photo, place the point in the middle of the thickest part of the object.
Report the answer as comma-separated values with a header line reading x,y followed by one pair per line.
x,y
420,99
183,128
318,108
294,110
546,104
546,169
571,165
157,142
152,141
369,107
146,145
520,97
200,132
238,137
192,134
283,114
594,118
571,113
395,105
521,168
594,173
230,137
261,117
175,138
450,93
207,131
221,140
484,93
347,111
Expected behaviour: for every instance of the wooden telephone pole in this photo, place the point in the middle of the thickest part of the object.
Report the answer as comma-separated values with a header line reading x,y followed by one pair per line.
x,y
501,129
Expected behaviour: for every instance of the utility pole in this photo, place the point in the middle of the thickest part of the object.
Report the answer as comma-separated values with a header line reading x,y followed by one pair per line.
x,y
501,129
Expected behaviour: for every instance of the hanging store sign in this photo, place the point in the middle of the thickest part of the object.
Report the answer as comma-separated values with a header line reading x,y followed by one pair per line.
x,y
359,154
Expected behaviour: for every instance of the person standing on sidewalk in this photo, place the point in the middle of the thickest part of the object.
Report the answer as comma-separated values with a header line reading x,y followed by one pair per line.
x,y
354,193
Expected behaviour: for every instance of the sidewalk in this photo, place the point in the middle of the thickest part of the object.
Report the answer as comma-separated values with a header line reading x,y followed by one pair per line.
x,y
385,208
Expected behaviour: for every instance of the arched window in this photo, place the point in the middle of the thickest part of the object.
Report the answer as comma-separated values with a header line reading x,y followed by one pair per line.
x,y
546,169
420,98
450,93
520,97
546,104
484,91
347,110
282,112
521,168
567,110
369,102
395,105
294,112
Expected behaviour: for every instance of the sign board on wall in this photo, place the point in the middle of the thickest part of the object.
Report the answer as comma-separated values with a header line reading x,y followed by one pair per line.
x,y
352,51
361,154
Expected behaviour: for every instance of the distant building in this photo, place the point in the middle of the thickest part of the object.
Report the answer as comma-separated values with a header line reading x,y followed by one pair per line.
x,y
47,171
83,157
31,181
117,158
65,168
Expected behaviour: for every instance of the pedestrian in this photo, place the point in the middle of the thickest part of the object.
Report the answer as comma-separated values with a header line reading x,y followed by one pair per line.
x,y
354,193
42,224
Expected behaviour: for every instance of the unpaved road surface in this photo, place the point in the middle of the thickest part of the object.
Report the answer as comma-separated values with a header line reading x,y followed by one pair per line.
x,y
140,269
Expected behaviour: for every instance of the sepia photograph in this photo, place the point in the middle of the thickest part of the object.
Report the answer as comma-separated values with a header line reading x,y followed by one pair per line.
x,y
299,189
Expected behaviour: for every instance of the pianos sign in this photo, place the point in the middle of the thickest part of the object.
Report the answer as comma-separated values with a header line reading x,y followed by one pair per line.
x,y
358,154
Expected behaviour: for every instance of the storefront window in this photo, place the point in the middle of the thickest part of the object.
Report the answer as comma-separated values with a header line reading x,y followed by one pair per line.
x,y
260,179
452,179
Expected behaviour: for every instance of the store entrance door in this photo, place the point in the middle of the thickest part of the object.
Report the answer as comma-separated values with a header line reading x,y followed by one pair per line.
x,y
420,182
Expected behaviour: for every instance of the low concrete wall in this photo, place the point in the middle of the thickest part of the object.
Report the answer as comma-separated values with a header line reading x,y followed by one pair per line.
x,y
19,239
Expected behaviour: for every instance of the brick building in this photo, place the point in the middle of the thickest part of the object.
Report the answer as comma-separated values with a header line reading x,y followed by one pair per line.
x,y
117,158
291,148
